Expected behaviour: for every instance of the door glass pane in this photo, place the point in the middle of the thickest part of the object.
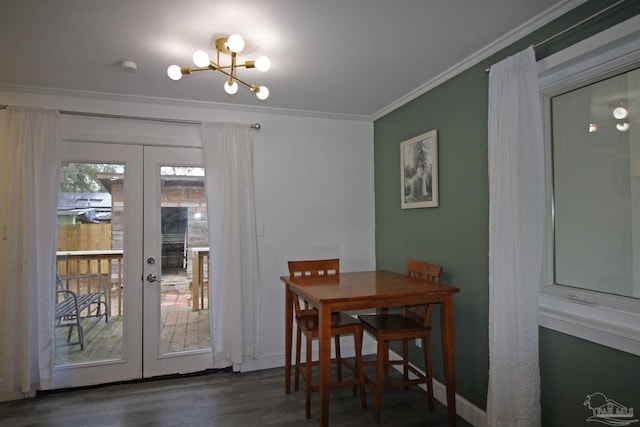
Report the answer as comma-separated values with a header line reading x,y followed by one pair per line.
x,y
89,251
183,301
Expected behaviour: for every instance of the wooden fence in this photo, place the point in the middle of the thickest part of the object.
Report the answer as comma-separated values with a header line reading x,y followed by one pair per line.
x,y
83,237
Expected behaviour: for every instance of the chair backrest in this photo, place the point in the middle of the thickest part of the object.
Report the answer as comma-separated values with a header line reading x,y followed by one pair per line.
x,y
317,267
59,284
428,273
424,271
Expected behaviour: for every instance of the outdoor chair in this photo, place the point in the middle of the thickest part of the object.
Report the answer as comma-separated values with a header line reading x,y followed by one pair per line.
x,y
73,307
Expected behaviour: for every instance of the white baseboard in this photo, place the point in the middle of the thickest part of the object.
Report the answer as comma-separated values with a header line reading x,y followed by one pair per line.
x,y
465,409
16,395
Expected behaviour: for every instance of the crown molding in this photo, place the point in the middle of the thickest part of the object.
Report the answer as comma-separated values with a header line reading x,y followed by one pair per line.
x,y
494,47
203,105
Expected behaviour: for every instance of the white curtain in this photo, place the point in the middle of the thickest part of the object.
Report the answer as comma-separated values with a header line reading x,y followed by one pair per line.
x,y
233,275
516,239
28,181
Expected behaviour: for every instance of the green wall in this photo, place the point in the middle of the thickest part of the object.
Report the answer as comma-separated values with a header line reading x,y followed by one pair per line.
x,y
456,234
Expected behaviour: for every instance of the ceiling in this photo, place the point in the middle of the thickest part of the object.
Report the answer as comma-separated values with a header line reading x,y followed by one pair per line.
x,y
352,57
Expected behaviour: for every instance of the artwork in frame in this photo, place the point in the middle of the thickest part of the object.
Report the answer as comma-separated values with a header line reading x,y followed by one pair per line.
x,y
419,171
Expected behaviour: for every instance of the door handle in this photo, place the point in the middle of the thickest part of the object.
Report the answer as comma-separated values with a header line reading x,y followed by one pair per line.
x,y
152,278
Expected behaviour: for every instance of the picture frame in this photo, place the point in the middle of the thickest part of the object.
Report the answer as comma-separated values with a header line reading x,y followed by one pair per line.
x,y
419,171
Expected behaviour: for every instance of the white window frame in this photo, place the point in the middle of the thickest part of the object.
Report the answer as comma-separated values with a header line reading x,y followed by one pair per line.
x,y
594,316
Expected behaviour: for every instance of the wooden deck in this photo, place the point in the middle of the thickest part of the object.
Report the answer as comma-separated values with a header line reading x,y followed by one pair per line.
x,y
182,329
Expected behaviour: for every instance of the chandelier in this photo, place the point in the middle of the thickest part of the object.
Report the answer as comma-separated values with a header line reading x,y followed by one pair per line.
x,y
230,46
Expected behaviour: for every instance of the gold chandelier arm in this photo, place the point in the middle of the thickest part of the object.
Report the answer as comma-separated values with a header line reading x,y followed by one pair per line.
x,y
185,71
216,67
233,66
248,64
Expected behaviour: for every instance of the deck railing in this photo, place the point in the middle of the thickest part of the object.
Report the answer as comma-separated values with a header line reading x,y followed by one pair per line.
x,y
200,277
108,263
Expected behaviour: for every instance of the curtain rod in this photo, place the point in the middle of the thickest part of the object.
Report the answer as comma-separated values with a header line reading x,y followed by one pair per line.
x,y
574,26
151,119
118,116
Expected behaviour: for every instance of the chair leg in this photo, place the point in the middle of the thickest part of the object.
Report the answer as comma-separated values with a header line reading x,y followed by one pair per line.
x,y
78,326
379,373
80,335
106,310
360,366
69,334
336,339
386,358
308,377
426,344
298,346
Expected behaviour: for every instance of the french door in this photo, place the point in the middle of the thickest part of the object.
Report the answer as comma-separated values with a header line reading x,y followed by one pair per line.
x,y
134,217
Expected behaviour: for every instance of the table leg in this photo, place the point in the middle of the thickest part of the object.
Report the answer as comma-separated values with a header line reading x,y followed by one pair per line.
x,y
324,324
288,330
446,322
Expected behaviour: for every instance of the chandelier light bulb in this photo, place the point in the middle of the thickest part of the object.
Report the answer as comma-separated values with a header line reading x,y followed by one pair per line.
x,y
623,127
262,93
620,113
263,64
235,43
232,88
201,58
174,72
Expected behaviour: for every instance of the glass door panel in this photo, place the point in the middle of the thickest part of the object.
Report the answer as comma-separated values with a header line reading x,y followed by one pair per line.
x,y
177,334
99,263
89,255
184,310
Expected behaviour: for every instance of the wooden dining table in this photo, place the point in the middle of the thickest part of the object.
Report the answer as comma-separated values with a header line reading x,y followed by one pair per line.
x,y
366,290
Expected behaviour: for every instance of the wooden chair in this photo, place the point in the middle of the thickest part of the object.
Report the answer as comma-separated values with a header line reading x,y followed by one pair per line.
x,y
411,323
341,324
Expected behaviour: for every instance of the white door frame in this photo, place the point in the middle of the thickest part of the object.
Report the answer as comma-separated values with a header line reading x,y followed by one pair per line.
x,y
141,325
154,363
130,366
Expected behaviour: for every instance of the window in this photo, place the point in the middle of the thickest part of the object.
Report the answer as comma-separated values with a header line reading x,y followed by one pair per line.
x,y
596,186
591,96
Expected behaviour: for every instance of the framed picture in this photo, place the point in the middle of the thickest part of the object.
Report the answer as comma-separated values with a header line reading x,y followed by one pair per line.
x,y
419,171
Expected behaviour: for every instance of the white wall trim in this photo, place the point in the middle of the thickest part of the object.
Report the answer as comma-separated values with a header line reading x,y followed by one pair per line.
x,y
465,409
9,396
499,44
276,360
602,325
176,102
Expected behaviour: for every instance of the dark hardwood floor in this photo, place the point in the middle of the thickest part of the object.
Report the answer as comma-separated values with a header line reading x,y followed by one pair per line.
x,y
221,399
